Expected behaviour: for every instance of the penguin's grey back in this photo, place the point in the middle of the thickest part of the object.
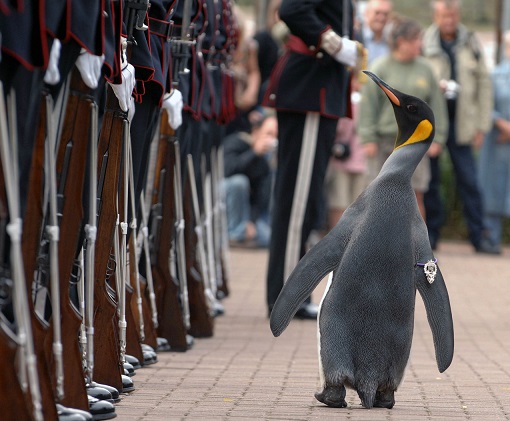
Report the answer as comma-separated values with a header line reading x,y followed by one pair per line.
x,y
370,303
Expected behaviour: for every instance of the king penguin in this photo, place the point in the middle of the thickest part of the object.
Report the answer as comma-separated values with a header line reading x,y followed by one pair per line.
x,y
377,256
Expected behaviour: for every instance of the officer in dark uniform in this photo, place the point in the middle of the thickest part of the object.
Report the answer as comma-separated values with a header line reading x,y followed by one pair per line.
x,y
309,89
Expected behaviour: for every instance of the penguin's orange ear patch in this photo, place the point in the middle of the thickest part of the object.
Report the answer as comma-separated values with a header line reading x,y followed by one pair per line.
x,y
422,132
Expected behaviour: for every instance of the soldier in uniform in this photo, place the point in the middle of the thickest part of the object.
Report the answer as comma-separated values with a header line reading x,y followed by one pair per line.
x,y
309,89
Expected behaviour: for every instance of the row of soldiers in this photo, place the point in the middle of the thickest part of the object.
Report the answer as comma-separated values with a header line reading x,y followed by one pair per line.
x,y
112,225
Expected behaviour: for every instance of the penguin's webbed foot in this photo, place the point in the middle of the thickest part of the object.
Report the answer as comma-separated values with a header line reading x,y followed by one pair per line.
x,y
384,399
333,396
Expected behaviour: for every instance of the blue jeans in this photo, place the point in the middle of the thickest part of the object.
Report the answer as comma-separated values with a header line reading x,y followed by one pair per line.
x,y
467,185
494,225
237,198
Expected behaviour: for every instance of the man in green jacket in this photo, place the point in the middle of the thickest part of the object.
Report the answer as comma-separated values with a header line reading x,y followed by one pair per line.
x,y
405,70
457,59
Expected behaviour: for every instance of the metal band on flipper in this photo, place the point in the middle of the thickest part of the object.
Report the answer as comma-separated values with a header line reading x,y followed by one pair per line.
x,y
430,269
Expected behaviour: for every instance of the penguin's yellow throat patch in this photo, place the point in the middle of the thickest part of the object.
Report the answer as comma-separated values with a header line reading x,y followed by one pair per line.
x,y
422,132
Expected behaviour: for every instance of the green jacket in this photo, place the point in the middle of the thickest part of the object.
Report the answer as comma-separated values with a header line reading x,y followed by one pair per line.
x,y
376,120
474,103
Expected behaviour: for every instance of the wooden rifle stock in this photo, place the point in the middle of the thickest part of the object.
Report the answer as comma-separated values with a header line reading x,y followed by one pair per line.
x,y
147,284
14,403
202,324
32,228
107,365
133,339
170,318
71,161
150,336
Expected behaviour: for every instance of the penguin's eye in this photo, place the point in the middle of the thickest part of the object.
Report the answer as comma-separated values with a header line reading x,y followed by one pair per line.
x,y
412,108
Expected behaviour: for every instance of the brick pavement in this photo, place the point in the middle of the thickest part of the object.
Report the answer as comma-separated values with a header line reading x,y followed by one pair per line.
x,y
244,373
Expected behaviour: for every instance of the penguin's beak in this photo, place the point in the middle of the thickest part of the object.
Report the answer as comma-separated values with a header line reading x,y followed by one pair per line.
x,y
388,90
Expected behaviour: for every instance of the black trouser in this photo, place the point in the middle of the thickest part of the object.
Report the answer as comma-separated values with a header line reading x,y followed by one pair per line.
x,y
297,192
466,179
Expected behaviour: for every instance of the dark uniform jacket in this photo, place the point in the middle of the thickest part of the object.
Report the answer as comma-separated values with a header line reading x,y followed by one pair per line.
x,y
306,78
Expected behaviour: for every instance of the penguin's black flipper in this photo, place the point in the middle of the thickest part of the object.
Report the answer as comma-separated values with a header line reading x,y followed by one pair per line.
x,y
311,269
439,315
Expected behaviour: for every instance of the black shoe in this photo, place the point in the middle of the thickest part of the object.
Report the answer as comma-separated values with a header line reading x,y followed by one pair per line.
x,y
163,345
113,391
101,410
149,357
218,309
133,361
487,247
190,340
127,384
307,312
99,393
72,414
129,370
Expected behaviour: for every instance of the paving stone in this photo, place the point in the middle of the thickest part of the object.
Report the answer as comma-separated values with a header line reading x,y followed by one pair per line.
x,y
243,373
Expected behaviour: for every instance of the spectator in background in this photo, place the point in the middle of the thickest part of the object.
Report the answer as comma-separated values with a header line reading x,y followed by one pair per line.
x,y
494,162
457,59
248,181
345,178
374,29
405,70
245,67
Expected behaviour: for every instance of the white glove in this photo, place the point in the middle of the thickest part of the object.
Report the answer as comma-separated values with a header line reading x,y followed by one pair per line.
x,y
90,66
52,74
172,103
348,54
123,91
331,42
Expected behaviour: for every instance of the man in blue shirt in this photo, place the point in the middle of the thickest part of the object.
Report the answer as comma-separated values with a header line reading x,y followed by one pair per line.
x,y
374,28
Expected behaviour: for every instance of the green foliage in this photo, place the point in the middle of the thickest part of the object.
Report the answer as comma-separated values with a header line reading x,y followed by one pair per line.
x,y
455,225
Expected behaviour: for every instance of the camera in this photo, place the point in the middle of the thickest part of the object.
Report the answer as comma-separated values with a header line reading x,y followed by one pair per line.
x,y
451,88
341,151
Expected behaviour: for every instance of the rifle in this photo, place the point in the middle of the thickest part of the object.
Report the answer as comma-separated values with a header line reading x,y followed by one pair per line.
x,y
134,337
126,326
180,255
70,168
171,323
114,130
212,286
9,158
221,237
135,11
120,242
147,289
137,301
14,402
30,244
202,320
108,368
133,304
87,291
